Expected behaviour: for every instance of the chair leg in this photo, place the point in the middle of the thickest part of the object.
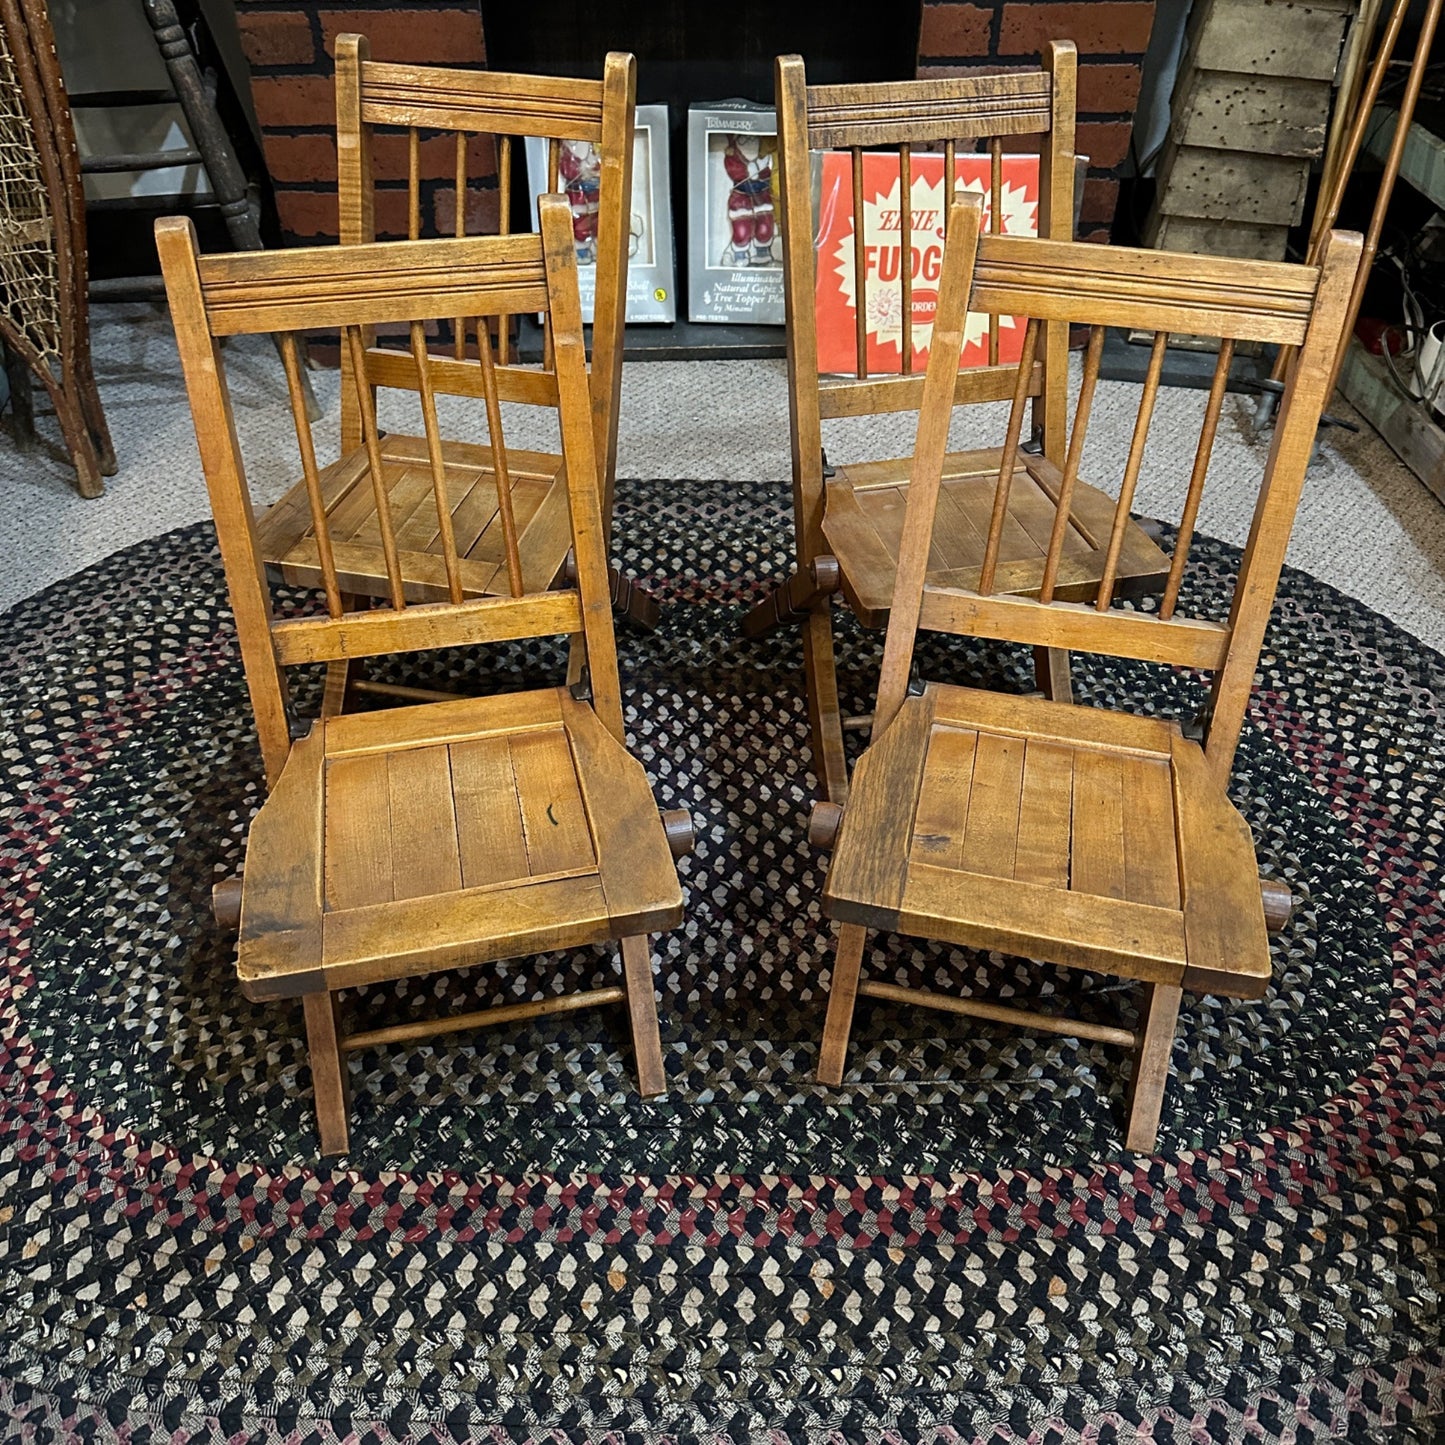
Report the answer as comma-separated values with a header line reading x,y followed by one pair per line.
x,y
1151,1066
842,996
329,1080
1051,673
337,690
642,1013
825,718
22,400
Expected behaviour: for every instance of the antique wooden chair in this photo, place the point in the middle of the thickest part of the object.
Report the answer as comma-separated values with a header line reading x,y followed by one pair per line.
x,y
405,841
847,517
1083,837
480,114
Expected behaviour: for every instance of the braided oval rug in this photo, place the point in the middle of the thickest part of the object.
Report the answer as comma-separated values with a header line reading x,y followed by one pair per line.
x,y
953,1247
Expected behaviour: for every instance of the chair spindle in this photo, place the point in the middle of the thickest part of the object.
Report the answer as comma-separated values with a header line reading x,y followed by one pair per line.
x,y
950,178
366,403
905,265
1063,503
1131,470
995,226
434,455
291,361
554,161
459,340
860,269
499,461
413,183
1010,459
504,228
1196,478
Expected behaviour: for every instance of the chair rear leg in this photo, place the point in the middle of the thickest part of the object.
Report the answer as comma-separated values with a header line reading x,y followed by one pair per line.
x,y
642,1014
842,996
1159,1015
825,718
329,1079
1051,674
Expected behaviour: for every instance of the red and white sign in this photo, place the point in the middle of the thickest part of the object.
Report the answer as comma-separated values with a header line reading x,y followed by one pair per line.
x,y
882,253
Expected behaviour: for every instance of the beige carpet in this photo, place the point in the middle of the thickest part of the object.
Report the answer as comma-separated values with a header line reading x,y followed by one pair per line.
x,y
1366,525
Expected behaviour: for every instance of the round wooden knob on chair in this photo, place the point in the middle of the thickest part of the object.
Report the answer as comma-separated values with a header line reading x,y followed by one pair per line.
x,y
1278,904
677,824
824,823
226,902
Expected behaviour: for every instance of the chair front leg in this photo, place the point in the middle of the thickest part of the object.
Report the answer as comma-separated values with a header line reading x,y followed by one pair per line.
x,y
825,716
842,996
642,1015
1158,1017
329,1081
1052,675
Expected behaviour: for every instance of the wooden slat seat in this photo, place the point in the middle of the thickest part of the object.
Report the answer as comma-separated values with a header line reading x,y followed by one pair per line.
x,y
1081,837
482,829
863,524
287,533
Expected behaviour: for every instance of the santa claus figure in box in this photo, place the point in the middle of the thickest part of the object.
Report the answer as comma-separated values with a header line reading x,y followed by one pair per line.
x,y
580,169
749,166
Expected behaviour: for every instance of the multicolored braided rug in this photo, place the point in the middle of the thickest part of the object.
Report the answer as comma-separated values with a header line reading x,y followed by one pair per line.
x,y
951,1248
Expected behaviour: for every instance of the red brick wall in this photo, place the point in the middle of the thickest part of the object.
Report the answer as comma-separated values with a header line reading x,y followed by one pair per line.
x,y
1112,35
289,44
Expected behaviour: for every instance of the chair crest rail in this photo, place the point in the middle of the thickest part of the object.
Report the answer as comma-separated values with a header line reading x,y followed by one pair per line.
x,y
435,97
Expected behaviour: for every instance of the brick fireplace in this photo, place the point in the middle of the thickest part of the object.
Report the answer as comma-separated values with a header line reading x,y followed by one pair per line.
x,y
289,42
1111,35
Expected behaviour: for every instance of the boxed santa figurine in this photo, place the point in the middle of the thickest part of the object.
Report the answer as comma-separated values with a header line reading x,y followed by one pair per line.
x,y
651,266
837,292
734,252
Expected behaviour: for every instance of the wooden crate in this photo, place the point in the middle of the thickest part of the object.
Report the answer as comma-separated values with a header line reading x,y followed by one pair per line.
x,y
1215,238
1215,185
1271,114
1267,37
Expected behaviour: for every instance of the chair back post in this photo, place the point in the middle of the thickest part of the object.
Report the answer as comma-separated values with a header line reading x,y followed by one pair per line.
x,y
926,476
355,196
609,312
1056,221
579,452
1307,388
799,264
225,476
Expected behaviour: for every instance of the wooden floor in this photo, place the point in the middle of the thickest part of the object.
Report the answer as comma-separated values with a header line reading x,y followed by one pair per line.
x,y
1083,837
864,527
539,501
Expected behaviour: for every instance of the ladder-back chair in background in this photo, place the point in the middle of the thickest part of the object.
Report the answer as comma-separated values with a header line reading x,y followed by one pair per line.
x,y
402,842
1082,837
847,517
482,115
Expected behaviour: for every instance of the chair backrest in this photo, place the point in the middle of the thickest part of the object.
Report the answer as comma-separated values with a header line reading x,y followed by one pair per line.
x,y
1303,307
351,287
1032,110
484,113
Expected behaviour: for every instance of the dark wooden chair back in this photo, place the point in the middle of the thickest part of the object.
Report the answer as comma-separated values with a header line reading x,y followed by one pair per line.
x,y
1302,307
990,113
410,284
484,113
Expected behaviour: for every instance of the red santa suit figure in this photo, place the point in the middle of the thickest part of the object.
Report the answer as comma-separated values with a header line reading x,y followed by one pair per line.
x,y
580,169
749,166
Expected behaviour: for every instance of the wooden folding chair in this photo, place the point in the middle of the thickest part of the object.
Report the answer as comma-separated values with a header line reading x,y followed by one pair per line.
x,y
847,517
401,842
1086,838
479,115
